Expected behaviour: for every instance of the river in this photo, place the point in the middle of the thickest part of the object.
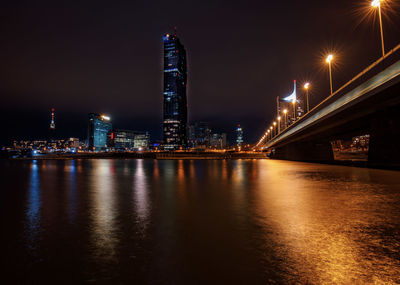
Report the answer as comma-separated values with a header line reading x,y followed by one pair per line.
x,y
109,221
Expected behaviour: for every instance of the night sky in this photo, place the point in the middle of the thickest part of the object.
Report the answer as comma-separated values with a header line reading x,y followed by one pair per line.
x,y
106,57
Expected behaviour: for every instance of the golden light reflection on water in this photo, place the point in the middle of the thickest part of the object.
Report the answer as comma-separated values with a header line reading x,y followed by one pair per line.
x,y
156,170
242,220
181,172
319,233
192,171
103,211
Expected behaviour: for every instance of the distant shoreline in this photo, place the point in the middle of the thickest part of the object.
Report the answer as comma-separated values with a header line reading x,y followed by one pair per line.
x,y
193,156
148,155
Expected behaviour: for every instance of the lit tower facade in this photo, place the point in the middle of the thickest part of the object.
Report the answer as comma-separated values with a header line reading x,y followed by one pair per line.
x,y
99,130
239,136
52,122
175,102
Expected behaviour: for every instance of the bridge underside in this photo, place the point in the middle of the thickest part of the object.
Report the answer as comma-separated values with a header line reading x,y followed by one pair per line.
x,y
384,145
313,151
378,116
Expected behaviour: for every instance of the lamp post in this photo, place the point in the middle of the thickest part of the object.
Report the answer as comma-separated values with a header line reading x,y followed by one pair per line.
x,y
307,86
271,129
329,61
279,125
294,109
274,128
285,113
377,4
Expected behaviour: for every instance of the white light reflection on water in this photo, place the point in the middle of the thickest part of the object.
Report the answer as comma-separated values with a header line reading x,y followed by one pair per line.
x,y
103,211
140,192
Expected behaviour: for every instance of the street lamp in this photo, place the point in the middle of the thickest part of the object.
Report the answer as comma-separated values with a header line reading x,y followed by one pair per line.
x,y
377,4
285,112
279,125
294,109
307,86
329,61
274,128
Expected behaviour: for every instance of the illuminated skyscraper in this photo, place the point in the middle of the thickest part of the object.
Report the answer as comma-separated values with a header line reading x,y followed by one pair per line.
x,y
239,136
175,102
99,129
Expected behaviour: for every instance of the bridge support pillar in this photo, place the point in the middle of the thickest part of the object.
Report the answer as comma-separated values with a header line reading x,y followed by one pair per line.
x,y
305,151
384,144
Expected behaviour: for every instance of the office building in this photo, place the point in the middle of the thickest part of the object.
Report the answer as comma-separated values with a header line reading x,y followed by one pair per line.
x,y
129,140
199,135
175,102
142,141
73,142
99,130
239,136
218,141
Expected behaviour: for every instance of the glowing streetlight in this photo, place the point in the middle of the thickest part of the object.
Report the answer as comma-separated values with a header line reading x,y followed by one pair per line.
x,y
329,61
274,123
307,86
279,124
377,4
294,109
285,112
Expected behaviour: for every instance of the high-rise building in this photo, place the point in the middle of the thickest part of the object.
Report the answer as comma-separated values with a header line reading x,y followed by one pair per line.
x,y
218,141
99,129
239,136
199,135
175,102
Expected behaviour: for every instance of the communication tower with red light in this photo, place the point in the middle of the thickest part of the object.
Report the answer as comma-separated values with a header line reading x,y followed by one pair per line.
x,y
52,123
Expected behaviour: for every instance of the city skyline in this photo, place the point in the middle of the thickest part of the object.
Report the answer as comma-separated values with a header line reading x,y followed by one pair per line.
x,y
200,142
121,74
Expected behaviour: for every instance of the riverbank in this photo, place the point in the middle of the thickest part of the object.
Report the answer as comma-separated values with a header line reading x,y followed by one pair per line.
x,y
147,155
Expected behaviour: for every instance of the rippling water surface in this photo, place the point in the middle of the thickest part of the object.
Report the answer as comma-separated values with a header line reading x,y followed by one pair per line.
x,y
198,222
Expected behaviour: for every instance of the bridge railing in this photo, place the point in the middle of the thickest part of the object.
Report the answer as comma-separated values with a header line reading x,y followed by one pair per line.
x,y
366,70
338,91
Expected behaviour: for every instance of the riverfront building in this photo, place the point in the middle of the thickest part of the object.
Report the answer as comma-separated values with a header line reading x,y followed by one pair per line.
x,y
239,136
175,102
129,140
98,131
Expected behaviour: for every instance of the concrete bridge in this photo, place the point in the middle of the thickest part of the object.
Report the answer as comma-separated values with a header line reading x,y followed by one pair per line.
x,y
367,104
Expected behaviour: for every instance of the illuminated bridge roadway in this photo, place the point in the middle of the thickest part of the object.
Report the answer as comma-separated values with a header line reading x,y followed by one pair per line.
x,y
368,104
